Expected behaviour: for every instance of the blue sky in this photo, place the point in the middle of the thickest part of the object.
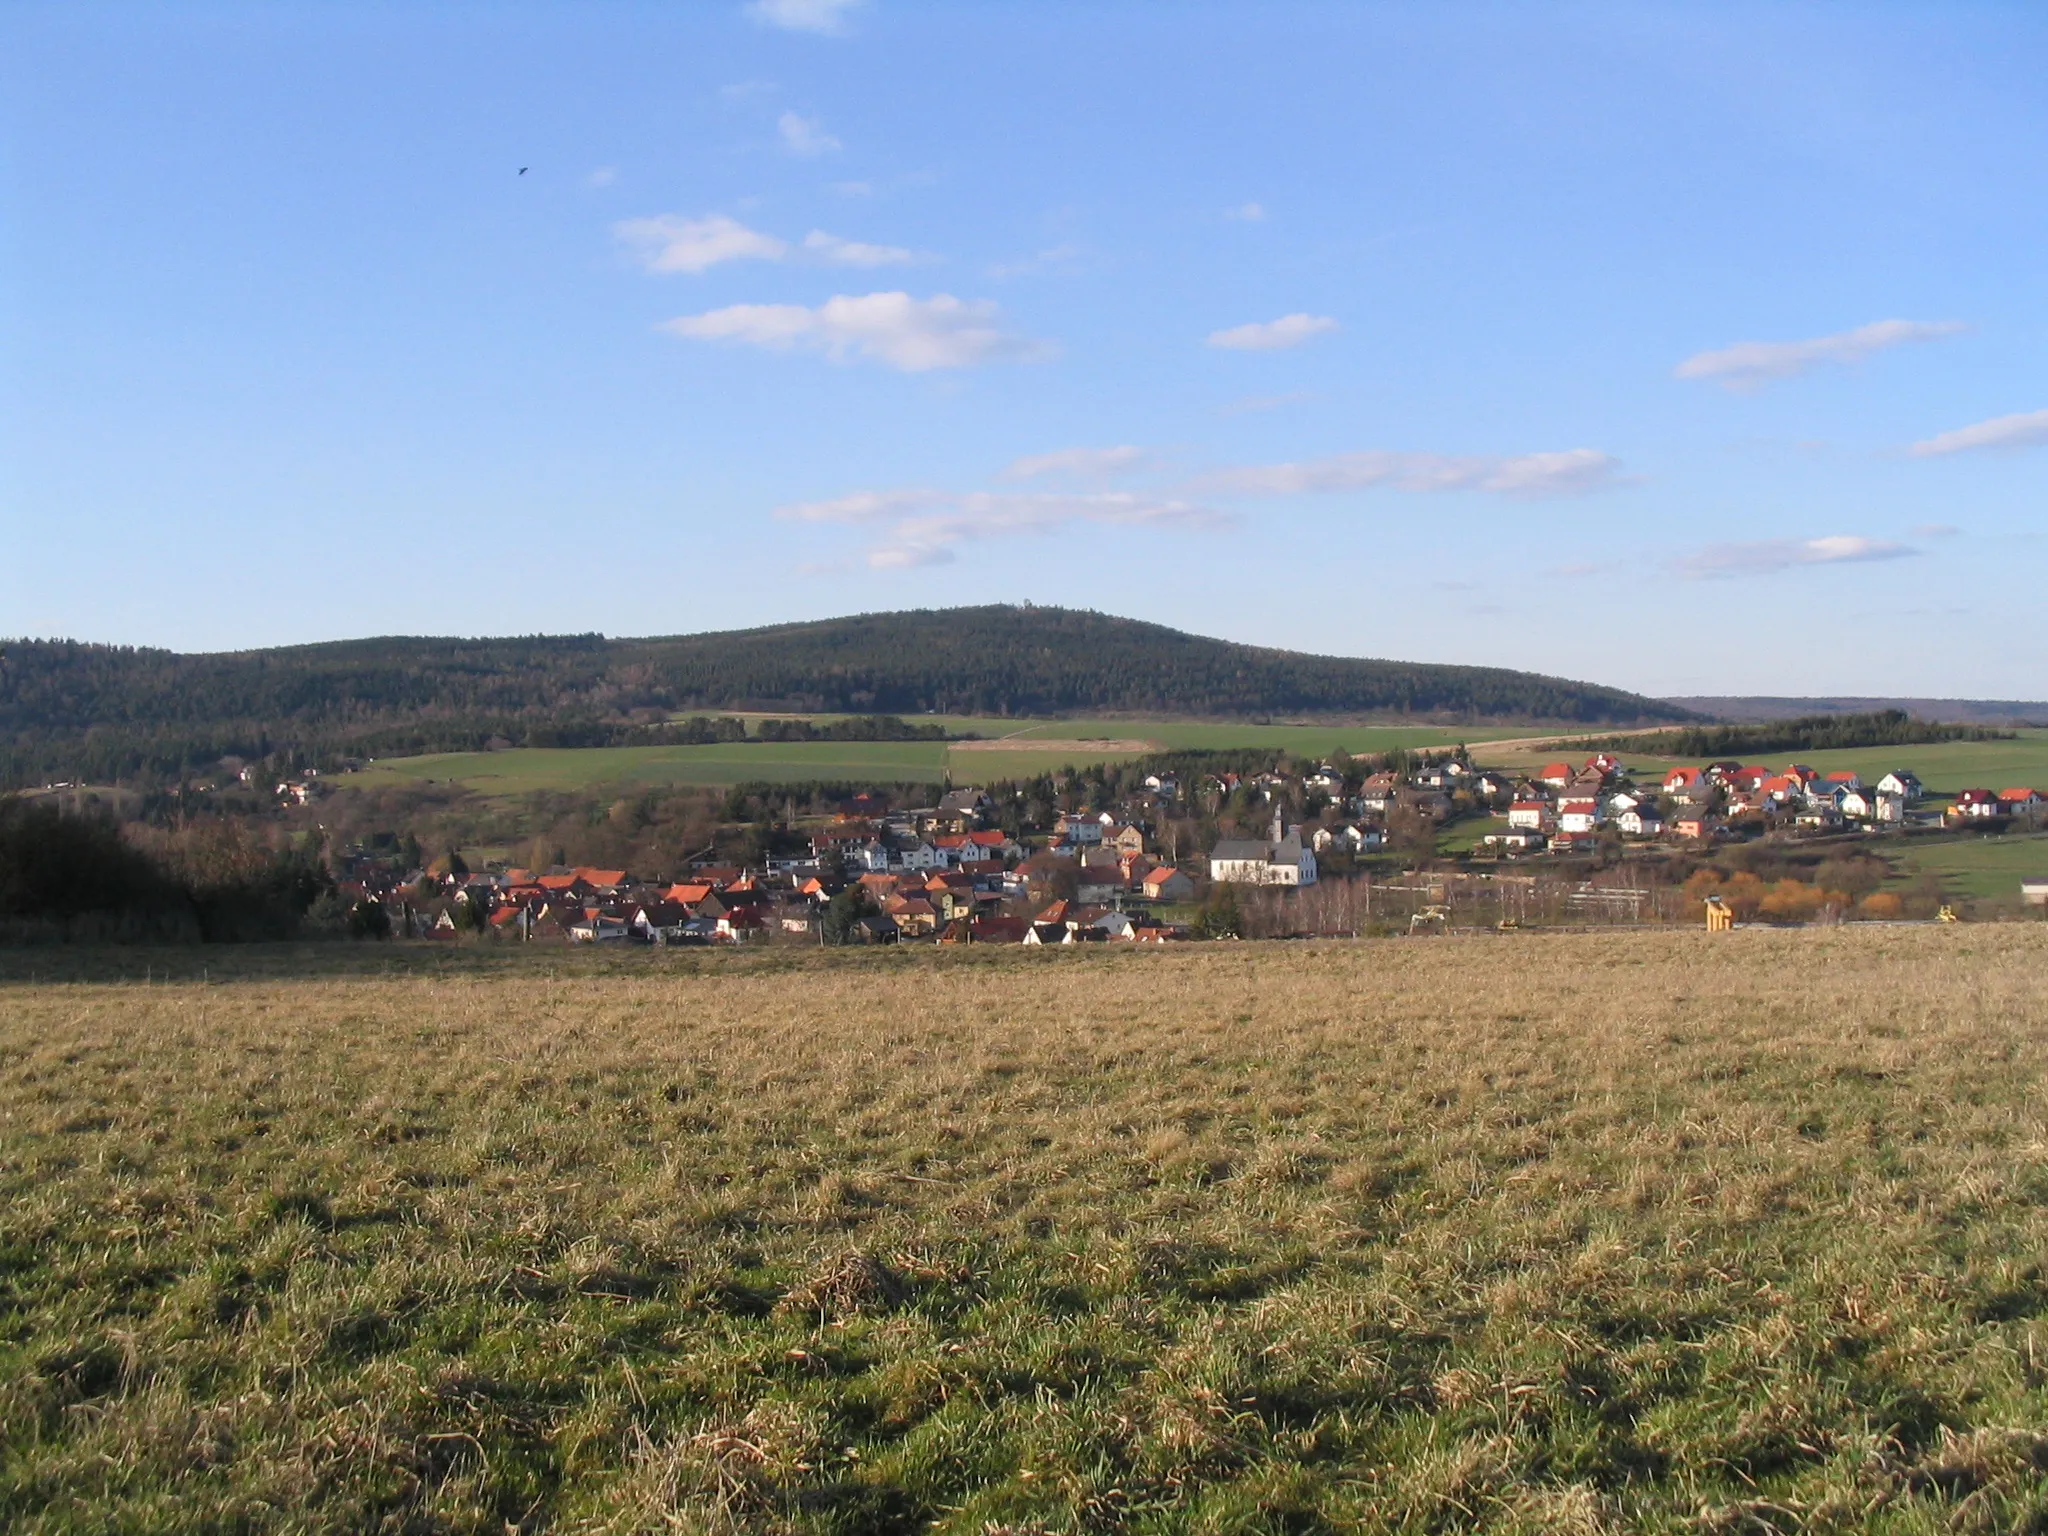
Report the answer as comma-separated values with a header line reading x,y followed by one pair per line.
x,y
1686,348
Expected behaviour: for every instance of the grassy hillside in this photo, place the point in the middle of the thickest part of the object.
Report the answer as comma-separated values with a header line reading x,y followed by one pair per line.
x,y
1011,749
1962,711
1944,767
1512,1234
111,714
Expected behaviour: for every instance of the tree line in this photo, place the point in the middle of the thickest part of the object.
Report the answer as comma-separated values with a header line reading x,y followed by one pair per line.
x,y
1808,733
71,876
125,714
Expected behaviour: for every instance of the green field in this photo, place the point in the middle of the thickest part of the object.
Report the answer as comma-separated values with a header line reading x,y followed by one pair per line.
x,y
522,770
1980,868
1944,767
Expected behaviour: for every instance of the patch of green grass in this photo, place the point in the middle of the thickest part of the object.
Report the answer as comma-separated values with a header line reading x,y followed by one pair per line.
x,y
522,770
1944,767
1729,1233
1980,868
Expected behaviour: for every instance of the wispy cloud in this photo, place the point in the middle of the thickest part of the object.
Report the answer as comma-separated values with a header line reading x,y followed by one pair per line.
x,y
1266,335
914,335
1750,365
1572,472
854,253
1246,213
669,243
805,135
1077,461
1935,531
926,527
2028,429
1765,557
603,176
826,17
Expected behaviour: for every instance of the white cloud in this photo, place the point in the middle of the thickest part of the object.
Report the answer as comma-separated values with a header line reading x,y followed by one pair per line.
x,y
1076,461
926,527
669,243
1247,213
1571,472
2028,429
1764,557
892,328
854,253
603,176
1750,365
1264,336
805,135
821,16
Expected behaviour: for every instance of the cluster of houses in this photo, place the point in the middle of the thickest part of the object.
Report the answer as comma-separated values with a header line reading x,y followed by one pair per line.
x,y
930,873
1563,807
944,873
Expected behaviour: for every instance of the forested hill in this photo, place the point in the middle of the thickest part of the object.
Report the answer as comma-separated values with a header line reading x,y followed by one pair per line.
x,y
105,712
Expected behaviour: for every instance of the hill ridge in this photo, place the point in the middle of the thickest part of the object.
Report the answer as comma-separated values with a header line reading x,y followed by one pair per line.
x,y
120,712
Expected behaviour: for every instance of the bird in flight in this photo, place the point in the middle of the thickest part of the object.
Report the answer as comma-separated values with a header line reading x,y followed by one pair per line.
x,y
522,170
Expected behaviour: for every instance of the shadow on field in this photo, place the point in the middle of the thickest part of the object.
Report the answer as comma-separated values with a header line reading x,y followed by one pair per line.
x,y
341,959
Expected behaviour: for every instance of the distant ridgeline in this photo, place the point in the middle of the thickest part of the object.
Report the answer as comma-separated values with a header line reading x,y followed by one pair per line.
x,y
1811,733
109,713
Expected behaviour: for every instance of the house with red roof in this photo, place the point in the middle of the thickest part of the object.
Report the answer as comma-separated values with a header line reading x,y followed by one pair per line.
x,y
1556,775
1578,816
1168,884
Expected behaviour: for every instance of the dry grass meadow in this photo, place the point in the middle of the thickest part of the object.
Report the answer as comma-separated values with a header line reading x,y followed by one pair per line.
x,y
1517,1233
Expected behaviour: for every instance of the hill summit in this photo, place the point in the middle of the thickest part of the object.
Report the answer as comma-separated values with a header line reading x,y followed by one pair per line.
x,y
116,712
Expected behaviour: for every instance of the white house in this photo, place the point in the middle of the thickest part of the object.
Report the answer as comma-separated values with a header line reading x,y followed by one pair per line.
x,y
1901,783
1531,815
1640,821
1081,829
1278,861
1578,816
1349,839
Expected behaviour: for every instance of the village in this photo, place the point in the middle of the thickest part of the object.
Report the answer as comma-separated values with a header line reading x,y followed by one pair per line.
x,y
948,873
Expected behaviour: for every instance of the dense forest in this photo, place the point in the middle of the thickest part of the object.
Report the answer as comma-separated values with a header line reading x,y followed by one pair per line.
x,y
114,714
1813,733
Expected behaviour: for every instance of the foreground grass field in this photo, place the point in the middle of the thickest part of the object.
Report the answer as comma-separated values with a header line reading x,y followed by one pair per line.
x,y
1519,1233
